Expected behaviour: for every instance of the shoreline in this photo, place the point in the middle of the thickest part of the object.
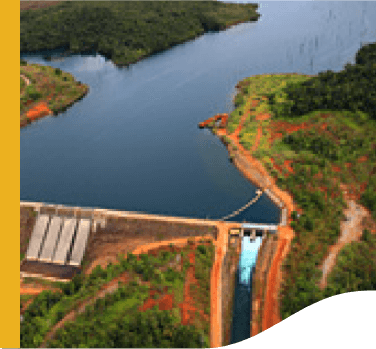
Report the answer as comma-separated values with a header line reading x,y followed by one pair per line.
x,y
41,110
68,52
254,171
255,164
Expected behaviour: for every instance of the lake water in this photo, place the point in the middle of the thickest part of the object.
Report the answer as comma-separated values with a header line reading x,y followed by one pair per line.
x,y
133,142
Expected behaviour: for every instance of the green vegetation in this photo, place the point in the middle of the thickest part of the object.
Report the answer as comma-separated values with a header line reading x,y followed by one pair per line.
x,y
114,320
53,86
126,31
356,267
204,258
346,103
350,89
22,84
24,298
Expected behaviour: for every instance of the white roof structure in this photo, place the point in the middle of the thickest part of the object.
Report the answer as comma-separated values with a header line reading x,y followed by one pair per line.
x,y
259,226
37,236
79,246
66,237
51,239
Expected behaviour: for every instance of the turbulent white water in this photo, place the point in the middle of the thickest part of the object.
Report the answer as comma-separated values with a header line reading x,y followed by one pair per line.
x,y
248,259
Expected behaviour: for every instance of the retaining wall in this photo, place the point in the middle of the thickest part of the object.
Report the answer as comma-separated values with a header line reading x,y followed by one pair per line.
x,y
100,216
274,198
120,232
259,281
229,267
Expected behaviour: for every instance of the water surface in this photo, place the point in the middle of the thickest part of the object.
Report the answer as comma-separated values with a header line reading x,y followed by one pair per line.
x,y
133,143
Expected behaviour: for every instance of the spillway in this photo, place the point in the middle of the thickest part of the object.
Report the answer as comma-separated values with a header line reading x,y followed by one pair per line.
x,y
243,289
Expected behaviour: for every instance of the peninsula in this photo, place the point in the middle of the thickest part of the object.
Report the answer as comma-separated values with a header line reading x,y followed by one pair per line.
x,y
46,91
309,140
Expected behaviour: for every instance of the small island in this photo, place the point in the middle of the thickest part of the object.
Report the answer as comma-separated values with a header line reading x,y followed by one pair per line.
x,y
46,91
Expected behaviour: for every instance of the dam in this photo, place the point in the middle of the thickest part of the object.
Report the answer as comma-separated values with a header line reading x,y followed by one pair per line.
x,y
63,238
60,235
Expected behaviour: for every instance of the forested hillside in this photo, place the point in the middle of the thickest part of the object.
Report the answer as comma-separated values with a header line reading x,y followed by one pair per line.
x,y
347,146
353,88
155,300
125,31
316,137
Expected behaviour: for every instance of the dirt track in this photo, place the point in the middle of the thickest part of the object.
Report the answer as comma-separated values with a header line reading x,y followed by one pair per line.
x,y
216,284
26,79
351,230
187,307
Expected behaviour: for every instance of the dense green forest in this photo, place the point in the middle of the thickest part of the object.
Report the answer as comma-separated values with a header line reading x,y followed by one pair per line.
x,y
126,31
353,88
114,320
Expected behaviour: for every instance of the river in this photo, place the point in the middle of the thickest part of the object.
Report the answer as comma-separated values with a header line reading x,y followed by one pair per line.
x,y
133,143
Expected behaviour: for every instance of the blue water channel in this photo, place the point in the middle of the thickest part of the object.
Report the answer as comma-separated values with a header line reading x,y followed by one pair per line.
x,y
133,142
243,290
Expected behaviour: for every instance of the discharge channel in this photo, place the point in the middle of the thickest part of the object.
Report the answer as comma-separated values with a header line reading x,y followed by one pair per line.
x,y
243,289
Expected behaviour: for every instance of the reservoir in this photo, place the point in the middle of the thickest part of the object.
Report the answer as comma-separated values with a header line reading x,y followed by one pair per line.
x,y
133,143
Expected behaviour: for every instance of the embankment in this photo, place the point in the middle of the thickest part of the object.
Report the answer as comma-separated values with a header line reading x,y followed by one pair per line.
x,y
229,267
255,172
259,281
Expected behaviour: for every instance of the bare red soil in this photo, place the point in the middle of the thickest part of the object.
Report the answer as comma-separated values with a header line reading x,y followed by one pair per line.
x,y
277,128
165,301
270,316
257,140
187,308
38,111
363,158
34,288
222,117
286,164
262,116
25,306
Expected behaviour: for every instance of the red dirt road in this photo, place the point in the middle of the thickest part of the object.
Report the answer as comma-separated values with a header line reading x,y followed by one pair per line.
x,y
187,308
270,314
216,284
